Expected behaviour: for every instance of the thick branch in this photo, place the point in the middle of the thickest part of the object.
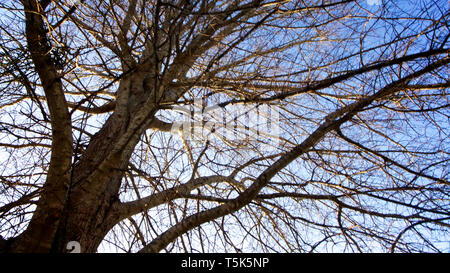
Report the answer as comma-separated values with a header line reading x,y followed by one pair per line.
x,y
105,108
42,227
332,122
131,208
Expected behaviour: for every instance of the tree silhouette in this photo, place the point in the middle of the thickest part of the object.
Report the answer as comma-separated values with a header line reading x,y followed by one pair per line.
x,y
212,126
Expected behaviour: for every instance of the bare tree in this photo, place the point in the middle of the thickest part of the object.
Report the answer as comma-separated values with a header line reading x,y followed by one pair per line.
x,y
93,148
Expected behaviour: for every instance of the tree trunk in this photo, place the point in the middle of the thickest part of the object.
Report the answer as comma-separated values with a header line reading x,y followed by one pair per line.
x,y
92,196
90,205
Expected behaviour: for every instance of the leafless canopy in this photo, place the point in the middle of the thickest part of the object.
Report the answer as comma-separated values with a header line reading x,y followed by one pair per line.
x,y
91,91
